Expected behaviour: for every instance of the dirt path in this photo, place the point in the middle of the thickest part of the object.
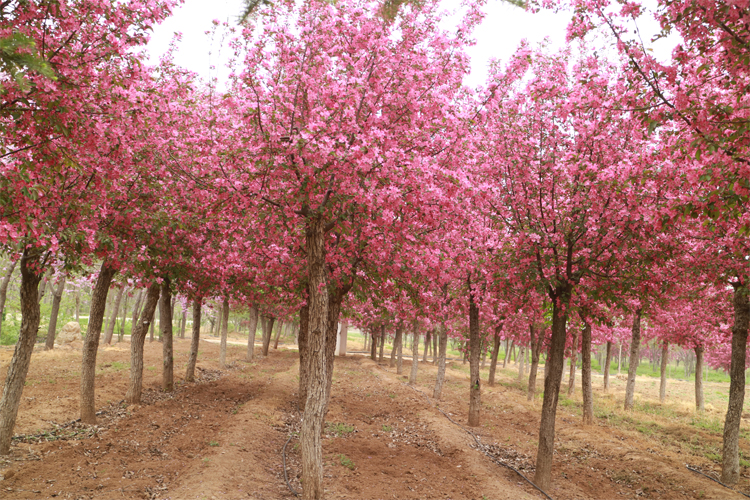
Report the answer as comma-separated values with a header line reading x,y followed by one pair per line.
x,y
221,438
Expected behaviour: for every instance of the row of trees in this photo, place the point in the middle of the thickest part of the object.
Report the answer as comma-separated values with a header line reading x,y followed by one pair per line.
x,y
348,168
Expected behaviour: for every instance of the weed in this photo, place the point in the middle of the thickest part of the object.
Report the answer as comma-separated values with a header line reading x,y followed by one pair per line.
x,y
213,443
339,429
387,428
392,396
346,462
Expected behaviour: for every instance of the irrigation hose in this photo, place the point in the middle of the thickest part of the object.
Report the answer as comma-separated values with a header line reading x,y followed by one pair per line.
x,y
480,445
716,480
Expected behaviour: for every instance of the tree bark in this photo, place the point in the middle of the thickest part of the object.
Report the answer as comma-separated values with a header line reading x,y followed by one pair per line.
x,y
414,356
521,360
536,349
78,305
475,394
279,329
507,353
435,337
165,324
427,340
183,322
635,344
19,364
124,319
443,349
343,336
113,316
224,330
699,402
396,344
560,299
52,327
587,389
382,346
317,376
194,341
136,311
607,365
730,467
374,346
43,286
663,381
91,343
4,291
494,355
252,327
137,339
573,363
267,327
304,322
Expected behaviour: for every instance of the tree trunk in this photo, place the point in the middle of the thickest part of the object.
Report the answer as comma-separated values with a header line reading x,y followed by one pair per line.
x,y
522,359
183,322
252,327
382,346
619,358
137,339
414,356
374,346
91,342
19,364
165,325
663,381
475,394
536,349
304,322
78,305
730,467
560,300
607,365
573,363
635,344
52,327
317,376
507,353
435,336
397,338
587,389
343,336
494,355
443,349
267,327
43,286
426,345
224,318
279,329
152,323
124,319
4,291
194,341
699,404
113,316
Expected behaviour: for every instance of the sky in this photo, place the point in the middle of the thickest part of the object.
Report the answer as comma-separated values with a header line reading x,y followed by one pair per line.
x,y
498,37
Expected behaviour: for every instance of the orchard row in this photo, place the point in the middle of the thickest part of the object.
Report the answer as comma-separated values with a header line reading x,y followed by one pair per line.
x,y
347,171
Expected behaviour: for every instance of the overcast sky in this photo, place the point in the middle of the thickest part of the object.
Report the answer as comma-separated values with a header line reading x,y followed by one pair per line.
x,y
498,37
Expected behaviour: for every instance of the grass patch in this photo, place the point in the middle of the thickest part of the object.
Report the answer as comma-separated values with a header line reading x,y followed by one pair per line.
x,y
346,461
339,429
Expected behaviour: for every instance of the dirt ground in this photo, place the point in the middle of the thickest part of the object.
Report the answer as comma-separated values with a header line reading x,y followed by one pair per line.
x,y
222,437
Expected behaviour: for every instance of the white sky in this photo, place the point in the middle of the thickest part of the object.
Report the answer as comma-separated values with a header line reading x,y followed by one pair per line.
x,y
498,37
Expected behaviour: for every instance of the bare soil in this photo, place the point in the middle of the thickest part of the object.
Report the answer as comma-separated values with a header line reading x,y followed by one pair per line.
x,y
222,436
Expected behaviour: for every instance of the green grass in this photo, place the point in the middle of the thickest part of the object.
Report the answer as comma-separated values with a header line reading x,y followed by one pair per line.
x,y
339,429
346,461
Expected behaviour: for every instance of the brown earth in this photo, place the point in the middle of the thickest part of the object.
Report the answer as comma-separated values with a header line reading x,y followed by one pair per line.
x,y
222,437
